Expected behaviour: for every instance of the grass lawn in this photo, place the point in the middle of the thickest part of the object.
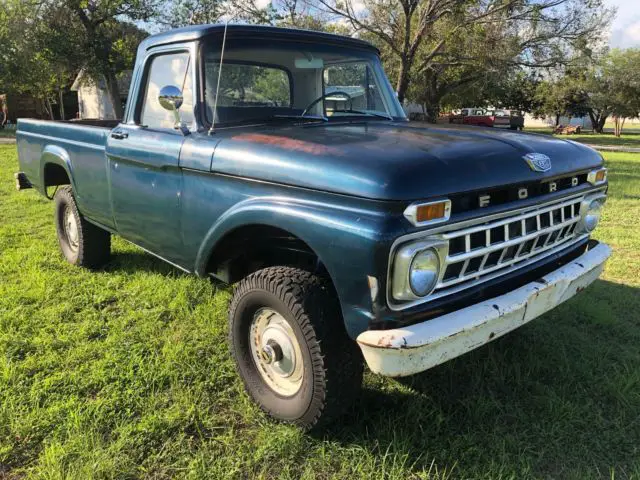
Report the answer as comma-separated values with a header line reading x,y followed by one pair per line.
x,y
629,138
125,373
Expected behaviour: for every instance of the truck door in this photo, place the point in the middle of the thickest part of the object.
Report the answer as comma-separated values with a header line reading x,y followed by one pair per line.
x,y
145,179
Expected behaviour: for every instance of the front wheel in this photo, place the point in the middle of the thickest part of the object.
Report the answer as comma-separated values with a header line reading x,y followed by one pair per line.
x,y
292,353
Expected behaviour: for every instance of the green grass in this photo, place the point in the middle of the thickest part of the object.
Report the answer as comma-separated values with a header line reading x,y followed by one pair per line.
x,y
629,138
125,373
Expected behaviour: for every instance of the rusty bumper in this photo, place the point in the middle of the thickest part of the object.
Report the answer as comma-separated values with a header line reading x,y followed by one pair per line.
x,y
409,350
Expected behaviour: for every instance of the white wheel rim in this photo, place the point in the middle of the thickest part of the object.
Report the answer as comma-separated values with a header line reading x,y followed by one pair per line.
x,y
276,352
71,228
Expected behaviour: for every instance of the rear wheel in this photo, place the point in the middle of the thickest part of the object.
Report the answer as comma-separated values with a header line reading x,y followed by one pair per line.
x,y
82,243
290,349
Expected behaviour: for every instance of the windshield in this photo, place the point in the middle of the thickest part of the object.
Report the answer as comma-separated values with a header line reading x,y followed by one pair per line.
x,y
283,80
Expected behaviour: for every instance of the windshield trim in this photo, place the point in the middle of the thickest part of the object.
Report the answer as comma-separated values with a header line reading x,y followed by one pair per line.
x,y
396,112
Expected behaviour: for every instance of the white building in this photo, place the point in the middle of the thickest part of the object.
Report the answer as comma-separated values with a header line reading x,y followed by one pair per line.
x,y
93,98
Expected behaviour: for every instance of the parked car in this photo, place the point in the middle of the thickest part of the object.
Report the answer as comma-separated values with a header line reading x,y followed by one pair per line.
x,y
482,117
351,235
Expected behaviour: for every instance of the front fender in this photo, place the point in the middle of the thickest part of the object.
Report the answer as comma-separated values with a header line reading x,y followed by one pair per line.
x,y
347,240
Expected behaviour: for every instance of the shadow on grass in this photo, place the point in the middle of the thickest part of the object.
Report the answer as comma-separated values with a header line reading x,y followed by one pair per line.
x,y
132,262
558,397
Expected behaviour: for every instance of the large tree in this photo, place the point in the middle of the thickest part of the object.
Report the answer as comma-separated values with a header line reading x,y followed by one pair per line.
x,y
29,63
613,88
501,33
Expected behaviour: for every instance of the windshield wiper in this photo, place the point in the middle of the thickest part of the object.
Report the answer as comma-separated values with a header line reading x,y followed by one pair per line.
x,y
362,112
301,117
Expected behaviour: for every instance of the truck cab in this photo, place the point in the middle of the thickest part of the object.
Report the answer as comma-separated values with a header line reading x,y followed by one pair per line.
x,y
280,161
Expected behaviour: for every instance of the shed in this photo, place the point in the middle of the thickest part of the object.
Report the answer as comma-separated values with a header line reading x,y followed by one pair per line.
x,y
93,98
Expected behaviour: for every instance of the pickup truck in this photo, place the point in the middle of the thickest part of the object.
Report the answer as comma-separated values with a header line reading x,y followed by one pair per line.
x,y
353,236
489,118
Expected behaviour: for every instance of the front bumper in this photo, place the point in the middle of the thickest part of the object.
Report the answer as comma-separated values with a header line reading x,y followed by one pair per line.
x,y
405,351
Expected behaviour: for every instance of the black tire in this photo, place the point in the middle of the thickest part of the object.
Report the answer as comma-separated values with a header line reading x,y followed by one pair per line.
x,y
332,362
91,246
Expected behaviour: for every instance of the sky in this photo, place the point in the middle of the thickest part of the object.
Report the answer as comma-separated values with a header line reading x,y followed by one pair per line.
x,y
625,28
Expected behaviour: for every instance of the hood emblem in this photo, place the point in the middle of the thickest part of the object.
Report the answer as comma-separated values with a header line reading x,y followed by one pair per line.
x,y
538,162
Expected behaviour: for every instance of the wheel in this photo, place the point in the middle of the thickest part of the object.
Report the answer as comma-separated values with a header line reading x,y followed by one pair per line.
x,y
81,242
290,349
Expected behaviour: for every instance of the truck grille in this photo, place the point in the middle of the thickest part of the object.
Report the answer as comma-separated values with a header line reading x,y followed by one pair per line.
x,y
486,251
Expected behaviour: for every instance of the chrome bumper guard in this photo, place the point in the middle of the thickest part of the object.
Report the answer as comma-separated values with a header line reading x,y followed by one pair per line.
x,y
406,351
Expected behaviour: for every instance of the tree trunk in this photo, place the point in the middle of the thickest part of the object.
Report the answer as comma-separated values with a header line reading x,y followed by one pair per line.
x,y
601,123
557,119
432,112
61,100
114,94
403,82
49,107
597,121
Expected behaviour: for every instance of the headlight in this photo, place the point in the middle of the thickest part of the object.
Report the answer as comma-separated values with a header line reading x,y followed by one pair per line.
x,y
416,269
423,273
590,211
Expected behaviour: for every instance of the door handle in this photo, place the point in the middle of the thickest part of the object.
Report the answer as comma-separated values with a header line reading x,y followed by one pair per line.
x,y
119,135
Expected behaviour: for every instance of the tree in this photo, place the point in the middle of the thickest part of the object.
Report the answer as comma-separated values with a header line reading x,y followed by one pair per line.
x,y
563,96
530,33
614,89
28,59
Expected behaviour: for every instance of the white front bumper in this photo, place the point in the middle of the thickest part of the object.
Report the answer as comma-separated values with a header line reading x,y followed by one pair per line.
x,y
405,351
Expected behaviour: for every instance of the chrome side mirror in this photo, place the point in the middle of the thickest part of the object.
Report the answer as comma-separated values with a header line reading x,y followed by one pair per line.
x,y
170,98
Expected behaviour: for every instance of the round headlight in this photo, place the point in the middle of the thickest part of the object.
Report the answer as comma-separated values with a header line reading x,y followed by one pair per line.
x,y
591,215
423,273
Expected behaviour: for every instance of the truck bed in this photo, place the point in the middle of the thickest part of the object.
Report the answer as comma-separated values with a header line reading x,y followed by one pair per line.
x,y
75,149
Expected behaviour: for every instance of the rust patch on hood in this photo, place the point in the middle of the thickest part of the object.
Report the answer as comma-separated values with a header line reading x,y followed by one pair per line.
x,y
288,143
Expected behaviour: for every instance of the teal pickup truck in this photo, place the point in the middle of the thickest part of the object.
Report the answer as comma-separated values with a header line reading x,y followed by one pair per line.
x,y
281,161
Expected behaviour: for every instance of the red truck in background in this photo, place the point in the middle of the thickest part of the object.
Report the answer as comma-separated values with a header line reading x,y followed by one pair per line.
x,y
489,118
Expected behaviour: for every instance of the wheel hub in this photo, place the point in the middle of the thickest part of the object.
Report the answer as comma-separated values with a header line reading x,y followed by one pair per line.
x,y
276,352
71,228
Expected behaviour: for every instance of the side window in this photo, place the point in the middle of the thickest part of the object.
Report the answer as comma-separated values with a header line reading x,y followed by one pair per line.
x,y
170,69
358,81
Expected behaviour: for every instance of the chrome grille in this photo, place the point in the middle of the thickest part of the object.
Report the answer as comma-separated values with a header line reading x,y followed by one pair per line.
x,y
490,249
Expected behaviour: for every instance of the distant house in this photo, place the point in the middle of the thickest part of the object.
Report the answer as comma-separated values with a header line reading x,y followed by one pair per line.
x,y
93,98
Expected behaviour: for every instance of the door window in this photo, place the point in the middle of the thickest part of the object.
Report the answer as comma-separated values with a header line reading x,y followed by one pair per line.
x,y
170,69
358,81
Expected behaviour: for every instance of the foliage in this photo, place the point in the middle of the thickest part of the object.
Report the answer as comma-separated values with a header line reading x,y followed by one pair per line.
x,y
614,87
608,87
427,41
46,42
29,63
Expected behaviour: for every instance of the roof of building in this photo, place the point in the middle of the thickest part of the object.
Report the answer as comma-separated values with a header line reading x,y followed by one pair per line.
x,y
196,32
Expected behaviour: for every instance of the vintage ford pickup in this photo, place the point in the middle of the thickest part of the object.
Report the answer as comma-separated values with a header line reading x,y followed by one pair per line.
x,y
282,161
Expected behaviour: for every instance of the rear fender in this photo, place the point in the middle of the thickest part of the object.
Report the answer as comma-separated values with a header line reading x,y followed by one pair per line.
x,y
53,154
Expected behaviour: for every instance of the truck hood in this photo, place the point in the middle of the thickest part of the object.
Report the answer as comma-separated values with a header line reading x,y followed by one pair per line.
x,y
390,161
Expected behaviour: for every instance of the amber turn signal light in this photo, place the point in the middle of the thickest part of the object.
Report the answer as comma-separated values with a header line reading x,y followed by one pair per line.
x,y
424,213
597,177
427,213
